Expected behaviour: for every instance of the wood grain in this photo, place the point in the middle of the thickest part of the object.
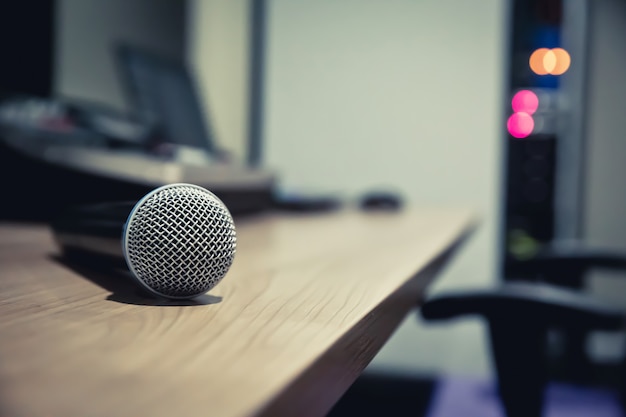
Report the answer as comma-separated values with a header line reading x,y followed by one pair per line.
x,y
306,305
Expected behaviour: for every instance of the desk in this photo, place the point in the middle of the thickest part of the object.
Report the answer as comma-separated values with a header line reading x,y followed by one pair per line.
x,y
307,304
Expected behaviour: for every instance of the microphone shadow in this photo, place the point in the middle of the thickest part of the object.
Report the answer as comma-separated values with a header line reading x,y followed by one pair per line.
x,y
120,283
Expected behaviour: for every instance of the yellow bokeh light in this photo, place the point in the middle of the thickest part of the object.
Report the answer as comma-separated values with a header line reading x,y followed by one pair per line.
x,y
549,62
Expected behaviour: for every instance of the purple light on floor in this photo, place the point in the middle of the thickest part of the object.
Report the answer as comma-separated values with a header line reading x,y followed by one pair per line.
x,y
525,101
520,125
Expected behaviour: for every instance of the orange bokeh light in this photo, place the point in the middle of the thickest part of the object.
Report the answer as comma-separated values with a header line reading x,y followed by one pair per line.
x,y
536,61
549,61
563,61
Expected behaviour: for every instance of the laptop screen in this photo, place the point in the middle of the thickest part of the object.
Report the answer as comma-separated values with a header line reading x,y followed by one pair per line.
x,y
163,92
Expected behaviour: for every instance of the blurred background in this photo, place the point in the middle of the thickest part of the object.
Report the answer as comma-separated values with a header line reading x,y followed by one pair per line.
x,y
512,107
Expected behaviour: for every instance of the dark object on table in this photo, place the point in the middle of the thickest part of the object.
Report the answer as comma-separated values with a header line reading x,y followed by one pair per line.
x,y
305,203
381,200
305,200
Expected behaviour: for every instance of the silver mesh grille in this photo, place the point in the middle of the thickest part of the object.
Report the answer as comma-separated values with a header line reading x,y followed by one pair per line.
x,y
179,241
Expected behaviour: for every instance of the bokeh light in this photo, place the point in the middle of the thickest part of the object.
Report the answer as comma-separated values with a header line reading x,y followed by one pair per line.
x,y
520,124
525,101
536,61
549,61
563,61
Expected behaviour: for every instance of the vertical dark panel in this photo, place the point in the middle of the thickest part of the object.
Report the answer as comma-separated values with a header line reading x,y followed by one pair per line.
x,y
530,200
27,47
531,161
257,76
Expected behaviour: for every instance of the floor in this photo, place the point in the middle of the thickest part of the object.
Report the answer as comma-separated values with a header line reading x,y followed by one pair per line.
x,y
386,394
396,395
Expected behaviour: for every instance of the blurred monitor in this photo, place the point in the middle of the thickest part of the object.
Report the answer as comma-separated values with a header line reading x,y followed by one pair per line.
x,y
162,92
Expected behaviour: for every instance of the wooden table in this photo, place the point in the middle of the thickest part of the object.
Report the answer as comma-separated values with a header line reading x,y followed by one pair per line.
x,y
306,305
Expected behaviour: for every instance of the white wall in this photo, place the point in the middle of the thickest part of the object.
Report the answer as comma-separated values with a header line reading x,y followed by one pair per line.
x,y
605,194
606,142
366,93
86,30
217,50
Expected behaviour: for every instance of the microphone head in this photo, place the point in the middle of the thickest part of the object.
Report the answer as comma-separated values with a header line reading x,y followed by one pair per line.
x,y
179,241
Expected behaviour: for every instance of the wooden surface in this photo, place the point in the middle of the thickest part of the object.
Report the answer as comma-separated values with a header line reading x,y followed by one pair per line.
x,y
305,307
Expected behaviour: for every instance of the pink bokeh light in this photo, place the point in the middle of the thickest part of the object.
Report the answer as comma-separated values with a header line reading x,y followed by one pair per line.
x,y
520,124
525,101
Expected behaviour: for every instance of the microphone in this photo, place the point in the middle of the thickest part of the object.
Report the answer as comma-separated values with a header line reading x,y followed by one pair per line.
x,y
178,241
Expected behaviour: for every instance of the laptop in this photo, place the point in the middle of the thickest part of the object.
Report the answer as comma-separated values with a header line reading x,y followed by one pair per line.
x,y
163,93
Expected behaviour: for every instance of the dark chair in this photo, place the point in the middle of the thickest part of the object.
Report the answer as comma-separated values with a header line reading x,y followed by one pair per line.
x,y
568,264
520,315
564,264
